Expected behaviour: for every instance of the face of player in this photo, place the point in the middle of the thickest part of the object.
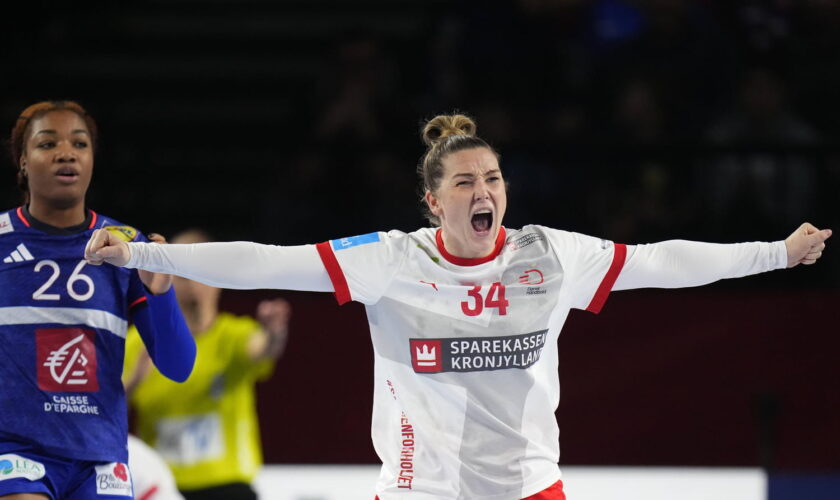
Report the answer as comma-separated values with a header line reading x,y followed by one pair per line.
x,y
470,202
58,159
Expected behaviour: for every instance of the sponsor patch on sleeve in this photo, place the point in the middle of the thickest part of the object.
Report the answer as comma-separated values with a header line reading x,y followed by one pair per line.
x,y
6,224
125,233
113,479
354,241
13,466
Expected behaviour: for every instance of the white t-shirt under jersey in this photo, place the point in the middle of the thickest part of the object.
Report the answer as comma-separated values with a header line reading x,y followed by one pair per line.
x,y
466,381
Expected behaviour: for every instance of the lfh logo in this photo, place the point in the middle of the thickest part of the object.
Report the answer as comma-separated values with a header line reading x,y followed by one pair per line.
x,y
426,355
66,360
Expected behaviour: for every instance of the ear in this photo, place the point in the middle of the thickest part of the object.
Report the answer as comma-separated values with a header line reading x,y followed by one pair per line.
x,y
433,203
22,162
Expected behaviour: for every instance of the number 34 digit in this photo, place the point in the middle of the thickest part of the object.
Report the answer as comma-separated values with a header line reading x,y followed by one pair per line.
x,y
495,298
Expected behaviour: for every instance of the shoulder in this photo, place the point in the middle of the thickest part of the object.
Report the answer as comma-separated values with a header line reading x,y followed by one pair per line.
x,y
11,222
121,230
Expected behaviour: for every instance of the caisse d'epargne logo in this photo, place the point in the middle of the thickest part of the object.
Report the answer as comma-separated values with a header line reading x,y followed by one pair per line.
x,y
66,360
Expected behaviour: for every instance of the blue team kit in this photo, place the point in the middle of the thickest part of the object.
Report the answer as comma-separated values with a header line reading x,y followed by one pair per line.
x,y
62,338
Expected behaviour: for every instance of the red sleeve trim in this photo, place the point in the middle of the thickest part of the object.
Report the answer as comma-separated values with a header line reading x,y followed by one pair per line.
x,y
342,291
137,302
619,256
148,493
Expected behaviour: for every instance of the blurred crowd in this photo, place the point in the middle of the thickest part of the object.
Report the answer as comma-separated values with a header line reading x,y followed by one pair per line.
x,y
633,120
637,120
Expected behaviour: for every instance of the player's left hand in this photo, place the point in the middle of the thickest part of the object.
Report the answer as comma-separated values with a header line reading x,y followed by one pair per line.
x,y
157,283
806,244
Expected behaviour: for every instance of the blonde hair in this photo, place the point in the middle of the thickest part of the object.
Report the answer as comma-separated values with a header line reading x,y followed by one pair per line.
x,y
444,135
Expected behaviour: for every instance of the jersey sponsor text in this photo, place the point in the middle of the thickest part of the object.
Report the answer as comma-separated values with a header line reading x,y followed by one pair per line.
x,y
477,353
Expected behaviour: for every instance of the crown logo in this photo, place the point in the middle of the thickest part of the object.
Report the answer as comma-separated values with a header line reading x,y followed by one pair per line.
x,y
426,357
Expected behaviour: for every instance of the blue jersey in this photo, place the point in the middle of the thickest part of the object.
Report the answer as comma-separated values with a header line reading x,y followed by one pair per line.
x,y
62,338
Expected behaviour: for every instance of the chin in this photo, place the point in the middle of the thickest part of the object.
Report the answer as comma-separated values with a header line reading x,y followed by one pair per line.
x,y
66,200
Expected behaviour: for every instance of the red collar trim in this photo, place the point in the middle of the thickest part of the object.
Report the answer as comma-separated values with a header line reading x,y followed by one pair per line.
x,y
461,261
22,218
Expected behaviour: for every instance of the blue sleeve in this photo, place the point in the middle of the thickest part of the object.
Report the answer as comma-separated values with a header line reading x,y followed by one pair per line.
x,y
166,335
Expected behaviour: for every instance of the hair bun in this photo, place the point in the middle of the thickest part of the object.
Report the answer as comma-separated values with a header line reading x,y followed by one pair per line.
x,y
443,126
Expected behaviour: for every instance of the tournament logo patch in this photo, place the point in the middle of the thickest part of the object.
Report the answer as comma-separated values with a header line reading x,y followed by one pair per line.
x,y
14,466
354,241
113,479
475,354
6,224
524,240
125,233
66,360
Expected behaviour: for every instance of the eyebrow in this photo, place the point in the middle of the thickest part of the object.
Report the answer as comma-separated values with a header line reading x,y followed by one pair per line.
x,y
51,131
490,172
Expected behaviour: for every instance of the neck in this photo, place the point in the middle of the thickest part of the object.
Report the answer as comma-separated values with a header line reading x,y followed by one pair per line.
x,y
57,215
200,317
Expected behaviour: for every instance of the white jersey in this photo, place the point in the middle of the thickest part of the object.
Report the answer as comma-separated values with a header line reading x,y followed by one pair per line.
x,y
150,475
466,381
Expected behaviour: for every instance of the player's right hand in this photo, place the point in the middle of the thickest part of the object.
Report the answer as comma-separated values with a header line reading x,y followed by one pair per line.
x,y
104,246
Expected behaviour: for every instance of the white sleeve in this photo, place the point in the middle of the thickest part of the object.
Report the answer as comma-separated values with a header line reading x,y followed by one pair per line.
x,y
237,264
362,267
591,266
680,263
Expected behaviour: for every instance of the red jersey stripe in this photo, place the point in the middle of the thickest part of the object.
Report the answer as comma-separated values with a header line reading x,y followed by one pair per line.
x,y
619,255
342,291
138,301
147,495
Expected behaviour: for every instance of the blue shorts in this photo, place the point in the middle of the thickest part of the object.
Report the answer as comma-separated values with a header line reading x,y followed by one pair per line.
x,y
23,469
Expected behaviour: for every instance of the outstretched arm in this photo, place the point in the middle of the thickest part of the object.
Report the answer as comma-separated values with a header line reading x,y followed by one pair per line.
x,y
680,263
236,264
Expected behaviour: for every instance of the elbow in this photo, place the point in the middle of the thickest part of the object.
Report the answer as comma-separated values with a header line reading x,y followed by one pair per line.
x,y
180,373
181,366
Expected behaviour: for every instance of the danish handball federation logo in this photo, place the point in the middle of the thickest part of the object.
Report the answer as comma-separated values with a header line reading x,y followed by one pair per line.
x,y
6,467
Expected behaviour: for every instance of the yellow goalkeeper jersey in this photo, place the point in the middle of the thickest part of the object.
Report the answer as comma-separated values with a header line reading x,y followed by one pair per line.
x,y
205,428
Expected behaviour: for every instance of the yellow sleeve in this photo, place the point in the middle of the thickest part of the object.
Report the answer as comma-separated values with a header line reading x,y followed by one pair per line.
x,y
239,332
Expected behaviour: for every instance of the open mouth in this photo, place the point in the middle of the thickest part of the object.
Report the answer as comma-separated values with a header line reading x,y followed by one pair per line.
x,y
67,173
482,221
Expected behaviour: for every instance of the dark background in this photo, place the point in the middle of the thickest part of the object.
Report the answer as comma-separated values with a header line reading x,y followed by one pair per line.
x,y
298,121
